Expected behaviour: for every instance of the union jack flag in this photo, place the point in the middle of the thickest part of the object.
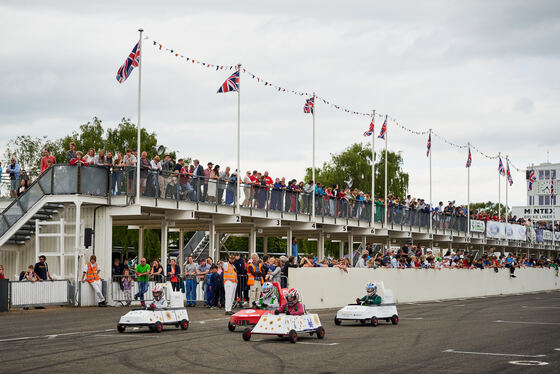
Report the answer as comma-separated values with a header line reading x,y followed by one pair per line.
x,y
429,145
309,105
130,63
231,84
509,178
371,127
501,167
532,179
383,129
469,159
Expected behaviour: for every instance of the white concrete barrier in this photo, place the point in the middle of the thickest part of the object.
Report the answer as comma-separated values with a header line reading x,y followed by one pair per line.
x,y
334,288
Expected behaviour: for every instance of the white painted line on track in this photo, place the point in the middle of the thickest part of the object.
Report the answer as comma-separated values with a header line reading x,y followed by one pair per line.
x,y
411,317
112,335
557,349
490,354
541,307
459,305
528,323
210,320
528,363
311,343
52,336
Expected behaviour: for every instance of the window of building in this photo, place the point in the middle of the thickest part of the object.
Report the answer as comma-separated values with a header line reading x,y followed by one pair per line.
x,y
531,200
547,174
553,174
541,174
546,199
541,200
553,200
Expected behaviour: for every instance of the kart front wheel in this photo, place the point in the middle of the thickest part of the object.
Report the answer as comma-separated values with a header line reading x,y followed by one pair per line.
x,y
247,334
337,321
184,324
293,336
231,326
158,327
121,328
374,321
320,332
395,319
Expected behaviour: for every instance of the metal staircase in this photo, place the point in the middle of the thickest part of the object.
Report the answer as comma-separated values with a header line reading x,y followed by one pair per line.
x,y
199,245
46,213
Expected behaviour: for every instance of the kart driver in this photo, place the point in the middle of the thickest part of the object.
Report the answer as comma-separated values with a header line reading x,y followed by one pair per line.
x,y
268,300
292,306
159,301
371,297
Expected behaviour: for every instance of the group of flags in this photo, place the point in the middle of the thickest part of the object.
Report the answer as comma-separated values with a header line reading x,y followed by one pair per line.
x,y
231,84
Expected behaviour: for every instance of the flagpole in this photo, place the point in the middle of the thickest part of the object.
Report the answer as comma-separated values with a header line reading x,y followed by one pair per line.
x,y
500,190
372,197
431,202
386,162
507,185
139,117
237,208
469,196
313,166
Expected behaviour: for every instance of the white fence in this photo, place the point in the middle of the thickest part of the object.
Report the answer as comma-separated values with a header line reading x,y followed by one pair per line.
x,y
24,294
333,288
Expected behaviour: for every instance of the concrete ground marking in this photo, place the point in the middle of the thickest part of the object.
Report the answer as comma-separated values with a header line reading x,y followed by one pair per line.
x,y
528,323
529,363
490,353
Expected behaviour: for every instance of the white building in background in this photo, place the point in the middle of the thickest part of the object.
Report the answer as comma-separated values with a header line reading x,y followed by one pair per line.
x,y
541,198
545,189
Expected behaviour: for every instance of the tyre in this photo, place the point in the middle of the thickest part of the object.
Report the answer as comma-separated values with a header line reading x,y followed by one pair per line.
x,y
320,332
395,319
337,321
231,326
158,327
293,336
247,334
374,321
121,328
184,324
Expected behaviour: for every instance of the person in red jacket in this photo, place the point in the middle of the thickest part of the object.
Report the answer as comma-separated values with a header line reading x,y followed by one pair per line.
x,y
78,160
292,306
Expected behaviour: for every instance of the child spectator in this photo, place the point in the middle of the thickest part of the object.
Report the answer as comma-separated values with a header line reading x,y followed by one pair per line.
x,y
126,282
30,275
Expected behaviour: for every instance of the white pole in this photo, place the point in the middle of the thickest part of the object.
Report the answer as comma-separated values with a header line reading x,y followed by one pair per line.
x,y
313,166
237,209
372,197
139,117
507,186
500,191
469,197
386,162
431,202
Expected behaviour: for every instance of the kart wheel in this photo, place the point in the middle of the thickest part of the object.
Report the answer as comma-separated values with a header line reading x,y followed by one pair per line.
x,y
395,319
184,324
337,321
158,327
374,321
293,336
247,334
121,328
320,332
231,326
363,321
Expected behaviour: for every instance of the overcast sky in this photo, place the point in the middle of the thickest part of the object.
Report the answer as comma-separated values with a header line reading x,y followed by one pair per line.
x,y
479,71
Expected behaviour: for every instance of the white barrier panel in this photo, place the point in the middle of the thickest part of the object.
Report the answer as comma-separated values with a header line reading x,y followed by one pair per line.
x,y
118,294
495,230
515,232
39,293
334,288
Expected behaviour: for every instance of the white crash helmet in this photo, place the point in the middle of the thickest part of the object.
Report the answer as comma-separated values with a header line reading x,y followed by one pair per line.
x,y
157,292
292,296
371,289
267,289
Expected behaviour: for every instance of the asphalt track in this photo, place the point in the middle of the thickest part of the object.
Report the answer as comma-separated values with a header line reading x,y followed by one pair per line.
x,y
518,333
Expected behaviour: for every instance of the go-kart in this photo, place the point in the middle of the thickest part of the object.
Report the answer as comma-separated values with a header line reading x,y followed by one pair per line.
x,y
387,310
250,317
154,318
283,325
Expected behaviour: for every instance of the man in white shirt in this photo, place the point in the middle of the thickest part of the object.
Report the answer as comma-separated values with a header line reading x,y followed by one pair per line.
x,y
156,168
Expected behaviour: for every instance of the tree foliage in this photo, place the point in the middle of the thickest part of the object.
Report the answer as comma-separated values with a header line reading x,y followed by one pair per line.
x,y
27,150
490,207
353,166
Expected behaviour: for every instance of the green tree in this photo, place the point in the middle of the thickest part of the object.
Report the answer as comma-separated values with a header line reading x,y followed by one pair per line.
x,y
152,244
27,150
353,166
489,207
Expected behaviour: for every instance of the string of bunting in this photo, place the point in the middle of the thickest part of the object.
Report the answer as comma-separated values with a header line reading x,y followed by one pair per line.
x,y
260,80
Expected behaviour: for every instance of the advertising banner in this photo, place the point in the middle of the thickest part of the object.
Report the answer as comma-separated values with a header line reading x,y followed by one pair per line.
x,y
477,226
495,230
